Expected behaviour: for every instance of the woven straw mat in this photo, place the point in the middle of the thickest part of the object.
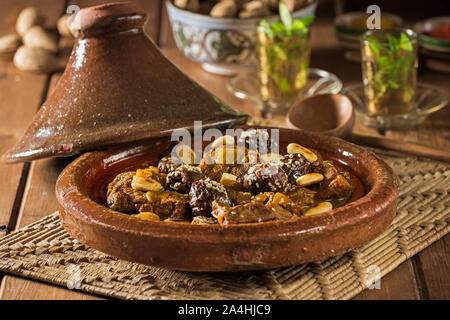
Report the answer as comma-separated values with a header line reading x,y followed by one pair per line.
x,y
44,251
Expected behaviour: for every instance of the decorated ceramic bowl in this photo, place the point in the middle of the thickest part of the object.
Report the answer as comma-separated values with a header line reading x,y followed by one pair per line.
x,y
435,50
223,45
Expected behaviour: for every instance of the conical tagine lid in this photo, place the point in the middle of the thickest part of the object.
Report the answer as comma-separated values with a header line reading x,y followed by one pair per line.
x,y
117,88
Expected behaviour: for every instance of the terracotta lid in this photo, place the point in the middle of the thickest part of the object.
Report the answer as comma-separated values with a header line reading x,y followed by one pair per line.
x,y
117,88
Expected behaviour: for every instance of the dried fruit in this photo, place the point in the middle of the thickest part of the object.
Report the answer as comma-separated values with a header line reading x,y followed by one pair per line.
x,y
27,18
36,60
37,37
9,43
228,179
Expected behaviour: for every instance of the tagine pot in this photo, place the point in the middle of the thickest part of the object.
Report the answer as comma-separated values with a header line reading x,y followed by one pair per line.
x,y
117,88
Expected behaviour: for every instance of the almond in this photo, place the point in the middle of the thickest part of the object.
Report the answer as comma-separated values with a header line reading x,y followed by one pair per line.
x,y
224,9
320,208
309,179
27,18
63,25
36,59
37,37
9,43
294,148
148,216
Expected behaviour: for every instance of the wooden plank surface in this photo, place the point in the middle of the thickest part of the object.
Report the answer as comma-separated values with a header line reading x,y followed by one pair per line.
x,y
38,196
424,276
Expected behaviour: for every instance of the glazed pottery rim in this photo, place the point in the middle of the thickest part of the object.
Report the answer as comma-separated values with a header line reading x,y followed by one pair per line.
x,y
253,20
426,26
381,196
341,22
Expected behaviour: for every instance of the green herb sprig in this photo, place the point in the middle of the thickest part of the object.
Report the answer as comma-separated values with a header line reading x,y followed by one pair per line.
x,y
395,61
287,26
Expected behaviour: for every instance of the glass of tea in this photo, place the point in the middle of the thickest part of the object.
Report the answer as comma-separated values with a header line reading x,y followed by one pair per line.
x,y
389,69
284,50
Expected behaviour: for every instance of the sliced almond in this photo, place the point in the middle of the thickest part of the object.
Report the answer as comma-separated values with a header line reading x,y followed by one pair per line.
x,y
309,179
145,184
185,154
228,179
294,148
270,157
320,208
148,216
223,140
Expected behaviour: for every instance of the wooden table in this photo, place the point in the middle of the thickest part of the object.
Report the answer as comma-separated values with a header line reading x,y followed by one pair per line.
x,y
27,191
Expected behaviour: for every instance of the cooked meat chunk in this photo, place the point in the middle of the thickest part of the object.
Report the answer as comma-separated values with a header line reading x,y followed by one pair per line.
x,y
265,177
301,196
337,183
121,197
339,187
243,213
167,204
295,166
215,171
280,212
258,140
203,193
181,179
168,164
122,180
125,200
281,204
204,220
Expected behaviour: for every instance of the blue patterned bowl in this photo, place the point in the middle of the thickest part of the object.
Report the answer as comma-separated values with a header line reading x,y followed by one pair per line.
x,y
223,45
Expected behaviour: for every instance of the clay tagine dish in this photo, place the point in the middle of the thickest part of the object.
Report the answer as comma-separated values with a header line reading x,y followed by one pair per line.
x,y
184,246
121,99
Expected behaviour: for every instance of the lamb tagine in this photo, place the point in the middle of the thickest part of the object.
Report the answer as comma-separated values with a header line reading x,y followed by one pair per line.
x,y
234,182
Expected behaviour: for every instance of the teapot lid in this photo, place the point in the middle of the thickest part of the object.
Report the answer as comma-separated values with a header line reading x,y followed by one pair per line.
x,y
117,88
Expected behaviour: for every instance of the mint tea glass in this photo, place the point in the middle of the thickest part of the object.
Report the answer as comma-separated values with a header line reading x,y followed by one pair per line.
x,y
389,69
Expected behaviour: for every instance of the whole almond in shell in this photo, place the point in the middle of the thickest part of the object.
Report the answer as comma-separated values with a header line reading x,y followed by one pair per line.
x,y
37,37
36,60
9,43
63,25
27,18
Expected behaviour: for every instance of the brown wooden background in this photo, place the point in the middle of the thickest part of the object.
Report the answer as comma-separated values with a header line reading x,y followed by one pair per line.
x,y
27,190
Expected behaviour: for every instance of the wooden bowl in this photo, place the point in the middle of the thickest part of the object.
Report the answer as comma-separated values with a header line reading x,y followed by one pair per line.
x,y
80,191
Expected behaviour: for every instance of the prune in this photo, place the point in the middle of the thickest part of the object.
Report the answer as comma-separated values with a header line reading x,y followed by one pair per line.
x,y
258,140
168,164
181,179
265,177
203,193
295,166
